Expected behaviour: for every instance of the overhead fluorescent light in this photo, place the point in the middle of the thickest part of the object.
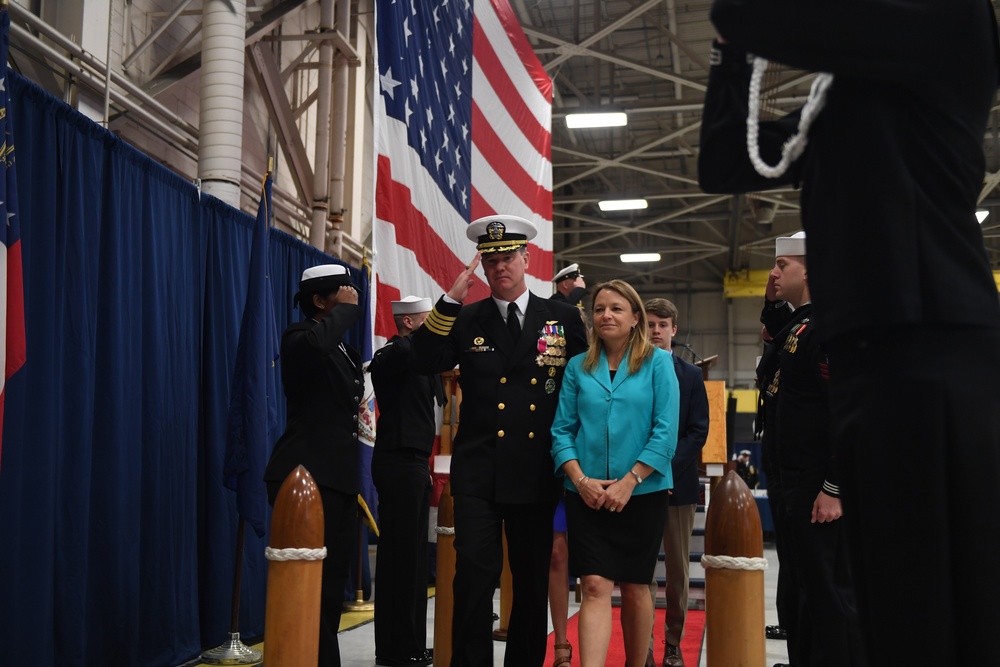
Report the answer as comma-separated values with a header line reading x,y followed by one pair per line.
x,y
621,204
610,119
641,257
981,215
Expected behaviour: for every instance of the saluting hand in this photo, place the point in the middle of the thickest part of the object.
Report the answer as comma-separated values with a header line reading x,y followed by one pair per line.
x,y
770,291
466,279
346,294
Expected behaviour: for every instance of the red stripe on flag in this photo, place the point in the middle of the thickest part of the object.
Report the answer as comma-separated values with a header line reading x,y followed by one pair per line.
x,y
394,203
385,326
525,53
508,93
493,149
16,340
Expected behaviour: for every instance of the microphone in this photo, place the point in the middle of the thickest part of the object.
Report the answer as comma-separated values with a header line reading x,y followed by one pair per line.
x,y
688,348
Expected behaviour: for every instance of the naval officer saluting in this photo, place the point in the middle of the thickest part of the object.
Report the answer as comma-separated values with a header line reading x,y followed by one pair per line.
x,y
512,350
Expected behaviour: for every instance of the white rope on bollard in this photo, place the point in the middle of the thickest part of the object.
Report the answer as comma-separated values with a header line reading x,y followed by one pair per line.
x,y
733,562
294,554
444,530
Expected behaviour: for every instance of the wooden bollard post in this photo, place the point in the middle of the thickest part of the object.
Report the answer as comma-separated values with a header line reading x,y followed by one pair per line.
x,y
734,577
506,594
444,596
294,573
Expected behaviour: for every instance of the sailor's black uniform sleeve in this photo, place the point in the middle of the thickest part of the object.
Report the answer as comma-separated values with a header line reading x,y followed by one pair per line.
x,y
888,43
724,165
775,315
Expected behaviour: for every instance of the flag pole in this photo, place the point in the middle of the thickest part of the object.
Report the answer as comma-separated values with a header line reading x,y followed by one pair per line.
x,y
359,603
234,652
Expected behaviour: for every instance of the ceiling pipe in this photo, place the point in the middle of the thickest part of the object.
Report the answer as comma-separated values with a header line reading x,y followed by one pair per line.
x,y
338,135
321,170
220,149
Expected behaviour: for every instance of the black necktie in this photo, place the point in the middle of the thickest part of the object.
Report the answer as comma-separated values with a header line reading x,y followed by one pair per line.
x,y
513,326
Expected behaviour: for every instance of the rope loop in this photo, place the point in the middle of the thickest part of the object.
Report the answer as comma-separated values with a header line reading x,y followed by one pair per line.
x,y
294,554
796,144
733,562
444,530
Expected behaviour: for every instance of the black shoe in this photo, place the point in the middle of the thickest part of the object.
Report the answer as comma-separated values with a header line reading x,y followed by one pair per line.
x,y
425,657
775,632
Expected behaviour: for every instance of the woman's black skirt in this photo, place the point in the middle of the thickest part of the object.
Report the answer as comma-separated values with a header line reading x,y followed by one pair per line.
x,y
621,546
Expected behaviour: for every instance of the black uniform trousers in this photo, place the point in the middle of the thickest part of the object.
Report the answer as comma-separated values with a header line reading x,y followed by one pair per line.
x,y
786,600
478,565
907,406
826,631
402,478
340,523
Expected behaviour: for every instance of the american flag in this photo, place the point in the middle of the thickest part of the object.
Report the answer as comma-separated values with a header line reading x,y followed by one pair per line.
x,y
12,339
464,130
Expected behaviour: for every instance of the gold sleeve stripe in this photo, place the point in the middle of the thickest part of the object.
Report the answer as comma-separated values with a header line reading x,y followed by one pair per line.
x,y
438,323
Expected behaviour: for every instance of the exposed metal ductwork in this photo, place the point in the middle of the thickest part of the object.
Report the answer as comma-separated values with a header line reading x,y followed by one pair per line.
x,y
321,173
338,133
222,74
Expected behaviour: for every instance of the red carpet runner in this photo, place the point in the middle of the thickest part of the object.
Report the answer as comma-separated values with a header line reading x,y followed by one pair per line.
x,y
694,631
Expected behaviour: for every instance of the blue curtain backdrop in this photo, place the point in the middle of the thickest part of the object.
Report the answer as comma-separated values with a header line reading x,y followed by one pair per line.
x,y
118,535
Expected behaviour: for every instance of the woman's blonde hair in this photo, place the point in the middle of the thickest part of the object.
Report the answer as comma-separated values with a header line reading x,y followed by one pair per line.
x,y
639,348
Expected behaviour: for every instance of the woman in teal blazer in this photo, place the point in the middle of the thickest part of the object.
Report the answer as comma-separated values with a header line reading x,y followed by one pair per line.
x,y
613,437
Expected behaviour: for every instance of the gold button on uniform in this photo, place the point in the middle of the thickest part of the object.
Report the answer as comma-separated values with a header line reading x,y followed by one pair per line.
x,y
532,407
503,380
534,380
501,406
531,434
500,433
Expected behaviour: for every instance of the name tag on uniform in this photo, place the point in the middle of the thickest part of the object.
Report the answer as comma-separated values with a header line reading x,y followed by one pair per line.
x,y
479,346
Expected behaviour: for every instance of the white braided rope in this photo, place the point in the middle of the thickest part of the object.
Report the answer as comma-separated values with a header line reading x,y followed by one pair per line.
x,y
294,554
444,530
733,562
797,142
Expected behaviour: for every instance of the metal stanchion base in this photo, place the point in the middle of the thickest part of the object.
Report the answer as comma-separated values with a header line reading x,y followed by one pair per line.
x,y
359,605
233,652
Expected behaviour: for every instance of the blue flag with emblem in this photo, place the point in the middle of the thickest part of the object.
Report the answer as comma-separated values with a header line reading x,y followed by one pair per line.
x,y
252,404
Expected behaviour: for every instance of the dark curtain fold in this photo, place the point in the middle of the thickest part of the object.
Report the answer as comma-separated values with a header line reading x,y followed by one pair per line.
x,y
118,535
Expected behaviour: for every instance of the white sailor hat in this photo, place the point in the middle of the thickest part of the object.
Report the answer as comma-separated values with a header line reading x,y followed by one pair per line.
x,y
790,246
500,233
571,271
321,278
409,305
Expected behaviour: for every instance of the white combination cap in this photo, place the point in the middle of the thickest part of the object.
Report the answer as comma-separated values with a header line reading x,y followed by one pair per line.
x,y
409,305
571,271
500,233
790,246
